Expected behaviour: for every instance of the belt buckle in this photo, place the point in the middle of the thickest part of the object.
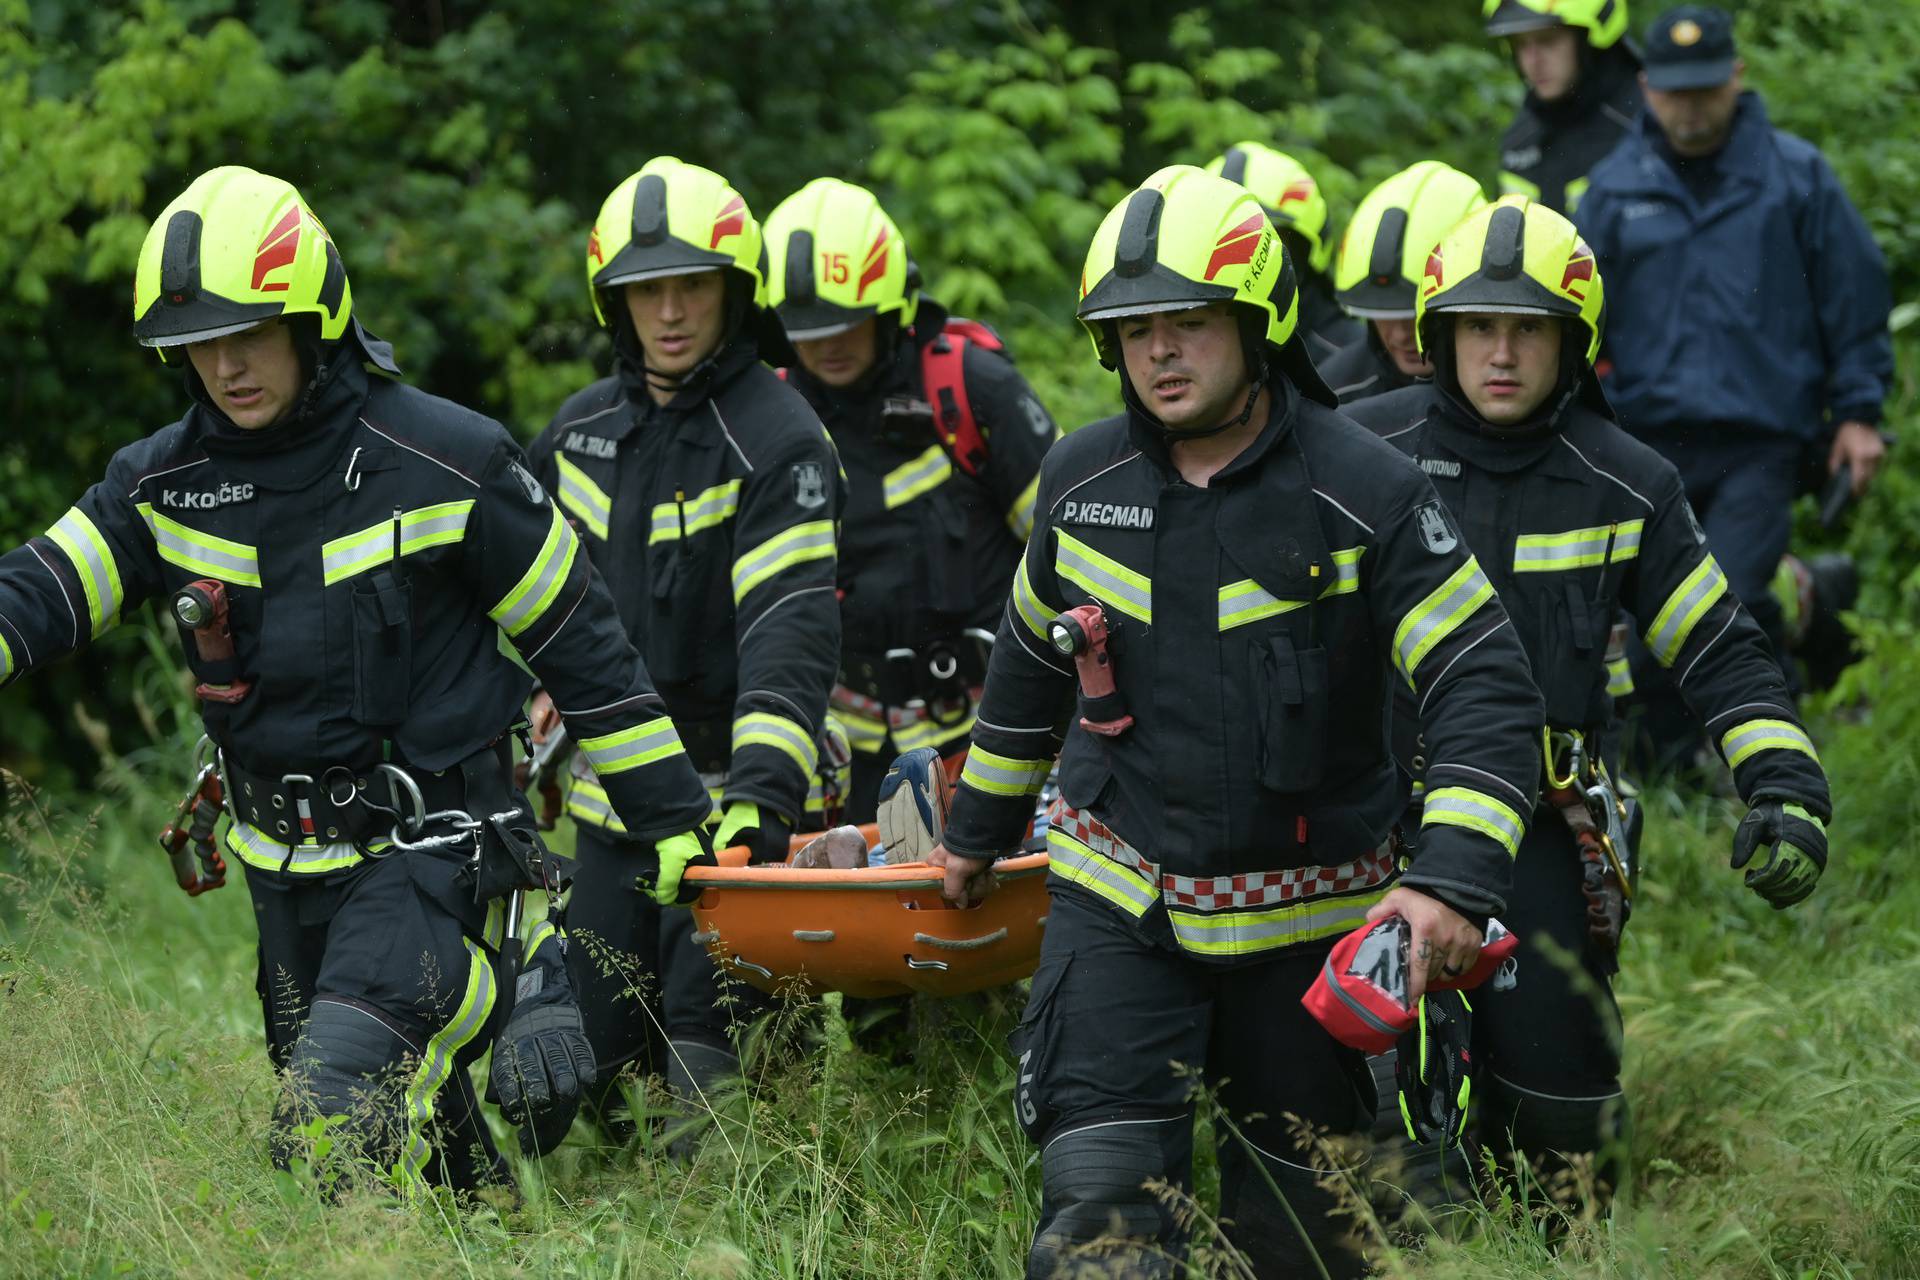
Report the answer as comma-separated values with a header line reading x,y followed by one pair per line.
x,y
297,785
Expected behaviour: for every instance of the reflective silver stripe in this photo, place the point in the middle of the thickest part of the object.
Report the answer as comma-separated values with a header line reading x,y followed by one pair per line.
x,y
1247,601
803,542
234,563
631,748
1461,807
1751,737
1103,577
999,775
424,527
93,563
1439,615
922,475
1077,864
1240,933
759,728
530,598
706,509
257,849
1684,609
1576,548
580,495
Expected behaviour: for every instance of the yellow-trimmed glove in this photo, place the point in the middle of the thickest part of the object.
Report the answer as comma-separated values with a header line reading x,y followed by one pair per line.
x,y
672,858
1794,844
764,832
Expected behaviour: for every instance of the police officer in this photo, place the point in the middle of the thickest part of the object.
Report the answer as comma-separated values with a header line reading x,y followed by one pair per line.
x,y
1705,218
344,554
1378,273
1574,519
941,439
706,492
1583,93
1294,204
1265,571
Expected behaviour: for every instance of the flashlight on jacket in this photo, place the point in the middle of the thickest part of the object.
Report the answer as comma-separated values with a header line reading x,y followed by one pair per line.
x,y
1081,634
201,607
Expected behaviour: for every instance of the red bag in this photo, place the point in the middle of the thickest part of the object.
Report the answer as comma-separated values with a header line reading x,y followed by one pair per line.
x,y
1360,996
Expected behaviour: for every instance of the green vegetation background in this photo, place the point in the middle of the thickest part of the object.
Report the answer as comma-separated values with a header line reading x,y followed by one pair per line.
x,y
457,155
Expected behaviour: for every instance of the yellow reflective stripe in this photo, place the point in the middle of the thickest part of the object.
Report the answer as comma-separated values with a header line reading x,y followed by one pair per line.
x,y
580,495
643,744
1247,601
1576,548
704,510
1619,677
436,1064
1103,577
1238,933
999,775
1512,184
530,598
1747,739
493,929
927,733
1027,605
1476,811
6,658
258,849
1439,616
922,475
424,527
93,564
810,541
1077,864
1020,514
234,563
1684,609
763,730
1346,572
865,734
1575,191
538,935
587,802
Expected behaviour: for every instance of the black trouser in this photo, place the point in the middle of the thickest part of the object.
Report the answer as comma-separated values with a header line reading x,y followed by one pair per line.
x,y
377,984
645,983
1111,1020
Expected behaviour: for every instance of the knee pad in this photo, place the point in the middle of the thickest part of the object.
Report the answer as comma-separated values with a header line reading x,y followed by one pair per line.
x,y
349,1062
1262,1227
1094,1188
1548,1129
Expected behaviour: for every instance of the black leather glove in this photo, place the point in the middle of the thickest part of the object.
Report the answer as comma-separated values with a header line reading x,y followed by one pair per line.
x,y
1795,846
767,835
542,1063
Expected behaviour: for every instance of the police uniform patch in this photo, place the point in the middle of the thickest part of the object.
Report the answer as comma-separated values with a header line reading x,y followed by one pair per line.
x,y
1436,531
809,485
535,493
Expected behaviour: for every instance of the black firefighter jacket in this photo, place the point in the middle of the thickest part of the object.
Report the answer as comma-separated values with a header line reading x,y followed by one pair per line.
x,y
712,519
375,550
1260,625
1551,148
1574,519
926,550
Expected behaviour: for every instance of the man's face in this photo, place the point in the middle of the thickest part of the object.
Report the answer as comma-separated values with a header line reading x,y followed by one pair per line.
x,y
1186,366
1508,365
1397,337
1549,61
254,375
1696,121
842,359
678,319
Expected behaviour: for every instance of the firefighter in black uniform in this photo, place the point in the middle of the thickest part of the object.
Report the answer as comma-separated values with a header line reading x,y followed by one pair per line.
x,y
343,554
706,492
1574,520
1294,204
1583,93
1265,570
1378,274
941,439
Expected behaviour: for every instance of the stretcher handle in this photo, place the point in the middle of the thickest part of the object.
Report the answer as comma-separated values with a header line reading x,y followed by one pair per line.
x,y
962,944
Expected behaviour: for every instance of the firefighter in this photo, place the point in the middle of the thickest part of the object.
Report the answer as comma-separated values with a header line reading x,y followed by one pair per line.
x,y
1294,204
941,439
1575,520
1583,93
342,554
1264,571
1378,274
706,492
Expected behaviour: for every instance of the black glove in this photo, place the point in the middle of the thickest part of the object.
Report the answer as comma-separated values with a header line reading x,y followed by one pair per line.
x,y
542,1063
1795,844
765,833
1433,1069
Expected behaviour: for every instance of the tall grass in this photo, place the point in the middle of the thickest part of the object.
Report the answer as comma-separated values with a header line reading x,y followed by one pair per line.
x,y
1770,1066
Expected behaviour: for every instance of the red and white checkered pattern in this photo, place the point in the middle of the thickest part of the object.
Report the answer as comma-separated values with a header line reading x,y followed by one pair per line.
x,y
1221,893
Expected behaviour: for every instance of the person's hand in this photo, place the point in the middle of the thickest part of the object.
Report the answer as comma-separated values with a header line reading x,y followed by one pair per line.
x,y
543,716
764,832
1861,447
1795,846
1442,940
966,880
675,854
543,1064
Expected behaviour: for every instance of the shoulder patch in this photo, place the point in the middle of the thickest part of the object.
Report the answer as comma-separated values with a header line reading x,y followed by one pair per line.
x,y
1036,416
1693,522
1436,530
809,486
536,494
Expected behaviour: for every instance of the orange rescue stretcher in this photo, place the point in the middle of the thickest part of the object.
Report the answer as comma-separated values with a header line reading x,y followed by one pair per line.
x,y
868,931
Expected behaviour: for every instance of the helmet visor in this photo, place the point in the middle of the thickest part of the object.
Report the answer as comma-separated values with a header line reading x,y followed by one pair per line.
x,y
811,321
205,317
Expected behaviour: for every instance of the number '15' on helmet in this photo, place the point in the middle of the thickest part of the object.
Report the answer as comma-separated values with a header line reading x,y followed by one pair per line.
x,y
1518,258
237,247
836,259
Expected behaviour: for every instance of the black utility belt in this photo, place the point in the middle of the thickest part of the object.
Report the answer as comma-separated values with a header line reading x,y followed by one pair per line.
x,y
337,803
933,670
